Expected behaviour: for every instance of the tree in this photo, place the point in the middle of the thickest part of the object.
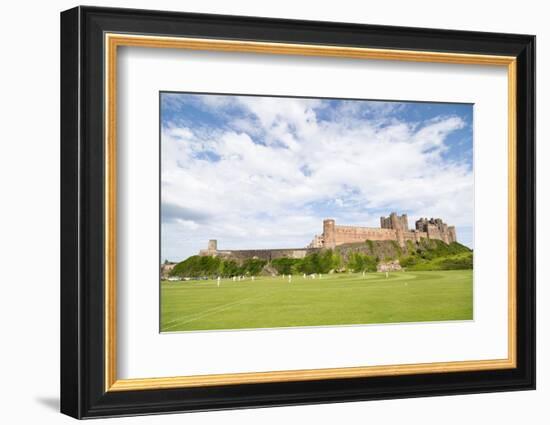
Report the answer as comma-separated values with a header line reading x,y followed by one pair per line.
x,y
230,268
253,267
287,265
361,262
337,261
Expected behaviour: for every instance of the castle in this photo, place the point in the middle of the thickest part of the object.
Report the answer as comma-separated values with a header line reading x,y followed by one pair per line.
x,y
392,228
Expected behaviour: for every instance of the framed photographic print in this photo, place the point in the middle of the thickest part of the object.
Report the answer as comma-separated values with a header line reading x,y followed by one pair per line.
x,y
261,212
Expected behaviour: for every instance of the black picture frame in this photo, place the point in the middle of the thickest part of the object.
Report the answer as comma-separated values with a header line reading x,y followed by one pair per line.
x,y
83,392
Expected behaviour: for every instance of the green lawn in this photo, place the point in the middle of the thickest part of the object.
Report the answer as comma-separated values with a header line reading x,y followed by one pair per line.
x,y
338,299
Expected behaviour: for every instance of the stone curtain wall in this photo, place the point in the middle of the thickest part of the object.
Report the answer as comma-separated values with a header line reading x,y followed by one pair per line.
x,y
261,254
351,234
414,236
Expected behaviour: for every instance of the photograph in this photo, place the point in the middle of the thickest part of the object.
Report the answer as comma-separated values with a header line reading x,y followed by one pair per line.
x,y
286,210
281,212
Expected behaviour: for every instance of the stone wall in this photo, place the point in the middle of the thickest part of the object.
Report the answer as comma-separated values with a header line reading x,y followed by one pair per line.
x,y
260,254
414,235
350,234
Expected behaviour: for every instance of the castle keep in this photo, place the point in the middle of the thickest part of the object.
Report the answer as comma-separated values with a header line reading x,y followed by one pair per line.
x,y
392,228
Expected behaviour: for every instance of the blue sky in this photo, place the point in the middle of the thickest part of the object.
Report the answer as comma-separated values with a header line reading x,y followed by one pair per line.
x,y
261,172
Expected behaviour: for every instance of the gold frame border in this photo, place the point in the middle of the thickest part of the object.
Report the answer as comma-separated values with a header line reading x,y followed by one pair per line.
x,y
113,41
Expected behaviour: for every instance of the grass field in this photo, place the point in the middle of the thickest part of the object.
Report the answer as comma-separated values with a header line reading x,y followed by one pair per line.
x,y
338,299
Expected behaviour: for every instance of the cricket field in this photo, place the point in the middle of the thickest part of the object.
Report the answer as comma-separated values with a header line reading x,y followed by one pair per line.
x,y
336,299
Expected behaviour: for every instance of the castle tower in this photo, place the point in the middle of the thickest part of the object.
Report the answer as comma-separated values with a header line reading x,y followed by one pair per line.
x,y
445,233
385,222
397,225
452,234
212,245
329,233
404,222
212,249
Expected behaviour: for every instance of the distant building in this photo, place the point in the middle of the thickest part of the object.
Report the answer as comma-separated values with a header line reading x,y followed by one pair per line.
x,y
317,242
165,269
